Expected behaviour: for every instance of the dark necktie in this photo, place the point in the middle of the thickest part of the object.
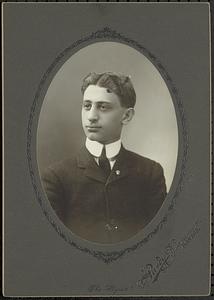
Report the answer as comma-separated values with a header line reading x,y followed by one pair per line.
x,y
104,163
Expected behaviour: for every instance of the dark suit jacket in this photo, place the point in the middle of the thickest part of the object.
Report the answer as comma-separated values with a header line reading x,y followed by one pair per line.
x,y
105,212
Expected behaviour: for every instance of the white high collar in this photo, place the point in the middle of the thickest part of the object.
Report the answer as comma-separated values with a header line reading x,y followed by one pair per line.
x,y
95,148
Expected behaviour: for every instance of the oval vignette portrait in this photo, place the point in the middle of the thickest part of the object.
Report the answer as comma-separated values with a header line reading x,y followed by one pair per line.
x,y
107,142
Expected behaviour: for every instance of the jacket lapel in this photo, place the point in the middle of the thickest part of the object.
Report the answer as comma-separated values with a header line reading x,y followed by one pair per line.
x,y
121,169
87,162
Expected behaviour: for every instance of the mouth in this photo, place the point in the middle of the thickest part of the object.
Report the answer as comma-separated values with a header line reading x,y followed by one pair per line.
x,y
93,128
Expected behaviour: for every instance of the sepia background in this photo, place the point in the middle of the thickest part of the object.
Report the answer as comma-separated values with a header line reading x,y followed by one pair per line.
x,y
152,132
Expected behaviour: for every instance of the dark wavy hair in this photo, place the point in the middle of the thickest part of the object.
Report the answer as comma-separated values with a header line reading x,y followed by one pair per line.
x,y
119,84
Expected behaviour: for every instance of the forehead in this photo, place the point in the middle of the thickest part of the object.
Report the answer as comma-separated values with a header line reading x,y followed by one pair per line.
x,y
96,94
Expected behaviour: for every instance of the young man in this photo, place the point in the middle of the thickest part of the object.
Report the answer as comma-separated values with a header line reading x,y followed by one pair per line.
x,y
105,193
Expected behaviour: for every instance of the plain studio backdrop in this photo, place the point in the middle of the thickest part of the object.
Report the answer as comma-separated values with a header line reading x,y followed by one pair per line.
x,y
152,132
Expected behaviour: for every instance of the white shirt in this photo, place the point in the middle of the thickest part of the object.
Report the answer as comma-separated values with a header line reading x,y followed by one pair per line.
x,y
95,148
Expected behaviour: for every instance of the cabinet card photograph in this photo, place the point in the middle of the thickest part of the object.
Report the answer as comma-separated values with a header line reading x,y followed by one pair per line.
x,y
107,149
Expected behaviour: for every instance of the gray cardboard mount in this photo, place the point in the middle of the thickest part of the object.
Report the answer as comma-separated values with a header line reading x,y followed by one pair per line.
x,y
42,257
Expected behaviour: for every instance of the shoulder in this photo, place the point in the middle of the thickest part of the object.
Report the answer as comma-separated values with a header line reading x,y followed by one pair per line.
x,y
142,162
60,169
151,172
63,164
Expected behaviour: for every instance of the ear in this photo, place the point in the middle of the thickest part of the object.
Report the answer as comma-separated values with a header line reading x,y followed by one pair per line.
x,y
128,115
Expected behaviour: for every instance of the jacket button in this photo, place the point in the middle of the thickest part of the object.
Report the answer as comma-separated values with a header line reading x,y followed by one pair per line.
x,y
111,226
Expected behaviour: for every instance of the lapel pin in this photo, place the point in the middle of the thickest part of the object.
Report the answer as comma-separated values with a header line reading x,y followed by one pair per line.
x,y
117,172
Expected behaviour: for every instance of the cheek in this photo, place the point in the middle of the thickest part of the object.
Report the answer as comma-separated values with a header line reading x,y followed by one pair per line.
x,y
113,123
116,119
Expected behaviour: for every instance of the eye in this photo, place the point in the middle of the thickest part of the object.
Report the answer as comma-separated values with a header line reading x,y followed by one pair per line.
x,y
87,106
104,106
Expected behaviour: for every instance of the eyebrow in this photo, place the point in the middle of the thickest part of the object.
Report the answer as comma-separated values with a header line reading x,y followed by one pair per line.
x,y
99,102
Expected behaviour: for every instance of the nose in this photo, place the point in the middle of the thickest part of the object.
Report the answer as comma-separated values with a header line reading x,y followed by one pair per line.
x,y
93,114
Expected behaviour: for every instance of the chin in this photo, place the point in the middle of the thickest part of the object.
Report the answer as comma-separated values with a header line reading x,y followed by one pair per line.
x,y
101,140
94,137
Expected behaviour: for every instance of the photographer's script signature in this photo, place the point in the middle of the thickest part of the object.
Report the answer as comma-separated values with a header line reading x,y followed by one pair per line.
x,y
151,272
